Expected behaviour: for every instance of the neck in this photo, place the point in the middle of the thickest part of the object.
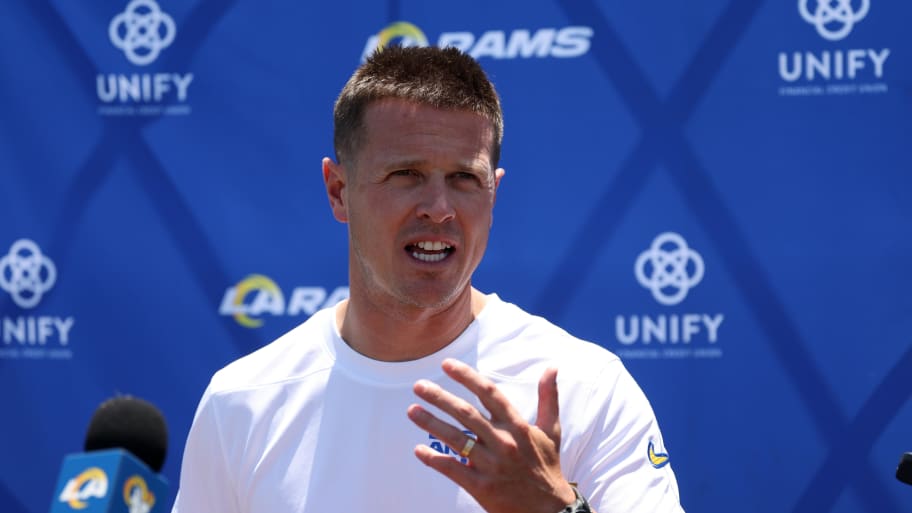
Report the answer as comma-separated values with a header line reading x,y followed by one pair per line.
x,y
405,333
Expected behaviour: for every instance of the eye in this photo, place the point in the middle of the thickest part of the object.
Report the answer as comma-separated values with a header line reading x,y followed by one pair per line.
x,y
408,173
468,180
465,175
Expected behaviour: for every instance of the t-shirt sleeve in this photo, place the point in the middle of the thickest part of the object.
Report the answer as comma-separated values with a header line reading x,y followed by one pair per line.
x,y
206,483
623,466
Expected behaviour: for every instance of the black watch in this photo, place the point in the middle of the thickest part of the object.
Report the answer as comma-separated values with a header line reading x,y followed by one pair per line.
x,y
580,505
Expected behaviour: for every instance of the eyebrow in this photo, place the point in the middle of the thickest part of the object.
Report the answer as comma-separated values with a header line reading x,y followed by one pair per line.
x,y
406,163
418,163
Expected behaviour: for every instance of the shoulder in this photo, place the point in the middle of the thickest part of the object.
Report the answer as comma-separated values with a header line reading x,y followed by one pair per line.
x,y
517,343
296,354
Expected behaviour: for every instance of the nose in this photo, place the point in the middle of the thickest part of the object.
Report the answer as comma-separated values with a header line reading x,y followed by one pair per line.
x,y
436,203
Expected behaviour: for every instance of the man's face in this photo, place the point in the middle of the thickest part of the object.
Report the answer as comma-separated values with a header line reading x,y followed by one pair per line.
x,y
418,197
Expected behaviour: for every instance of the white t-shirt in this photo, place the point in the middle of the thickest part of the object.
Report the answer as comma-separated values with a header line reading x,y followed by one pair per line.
x,y
307,425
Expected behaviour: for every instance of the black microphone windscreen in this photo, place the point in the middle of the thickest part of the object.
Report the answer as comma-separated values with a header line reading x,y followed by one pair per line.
x,y
904,469
132,424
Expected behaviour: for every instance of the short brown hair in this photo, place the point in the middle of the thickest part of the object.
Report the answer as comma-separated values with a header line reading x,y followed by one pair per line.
x,y
444,78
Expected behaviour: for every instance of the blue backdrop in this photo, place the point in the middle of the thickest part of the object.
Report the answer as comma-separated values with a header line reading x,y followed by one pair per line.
x,y
718,191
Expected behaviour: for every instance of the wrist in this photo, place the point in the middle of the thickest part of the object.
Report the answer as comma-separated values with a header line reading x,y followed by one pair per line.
x,y
567,493
579,503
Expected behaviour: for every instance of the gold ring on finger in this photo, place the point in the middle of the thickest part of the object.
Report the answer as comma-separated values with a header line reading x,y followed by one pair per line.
x,y
467,448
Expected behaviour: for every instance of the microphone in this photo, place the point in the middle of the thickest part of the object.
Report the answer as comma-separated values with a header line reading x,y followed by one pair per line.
x,y
125,448
904,469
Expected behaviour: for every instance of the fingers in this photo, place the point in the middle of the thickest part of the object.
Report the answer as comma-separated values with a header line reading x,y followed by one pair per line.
x,y
503,414
446,465
487,392
452,436
456,407
513,466
501,411
548,419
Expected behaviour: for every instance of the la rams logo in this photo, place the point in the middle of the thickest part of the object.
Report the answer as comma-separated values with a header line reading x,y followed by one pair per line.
x,y
91,483
137,495
656,459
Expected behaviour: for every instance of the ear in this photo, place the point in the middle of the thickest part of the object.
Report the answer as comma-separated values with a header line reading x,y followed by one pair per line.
x,y
498,174
334,178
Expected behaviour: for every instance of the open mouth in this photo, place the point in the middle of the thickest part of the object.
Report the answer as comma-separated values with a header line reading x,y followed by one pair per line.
x,y
429,251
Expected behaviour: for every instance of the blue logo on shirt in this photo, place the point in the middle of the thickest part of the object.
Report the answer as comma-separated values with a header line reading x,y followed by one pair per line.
x,y
438,445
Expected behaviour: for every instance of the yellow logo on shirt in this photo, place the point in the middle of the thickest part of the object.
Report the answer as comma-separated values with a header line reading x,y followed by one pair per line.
x,y
656,459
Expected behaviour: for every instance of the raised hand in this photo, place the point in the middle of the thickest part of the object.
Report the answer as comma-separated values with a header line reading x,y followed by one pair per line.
x,y
513,466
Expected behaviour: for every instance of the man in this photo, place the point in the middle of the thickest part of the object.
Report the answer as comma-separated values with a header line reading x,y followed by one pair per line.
x,y
319,420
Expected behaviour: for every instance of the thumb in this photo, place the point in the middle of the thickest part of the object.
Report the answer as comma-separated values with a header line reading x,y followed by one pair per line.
x,y
548,418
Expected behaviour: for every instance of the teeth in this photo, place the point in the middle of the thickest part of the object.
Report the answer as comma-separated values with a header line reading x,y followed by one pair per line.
x,y
429,258
433,246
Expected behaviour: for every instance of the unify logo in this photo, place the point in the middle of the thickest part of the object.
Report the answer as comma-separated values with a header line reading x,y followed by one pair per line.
x,y
838,71
833,19
257,295
27,275
142,31
669,269
669,273
565,42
